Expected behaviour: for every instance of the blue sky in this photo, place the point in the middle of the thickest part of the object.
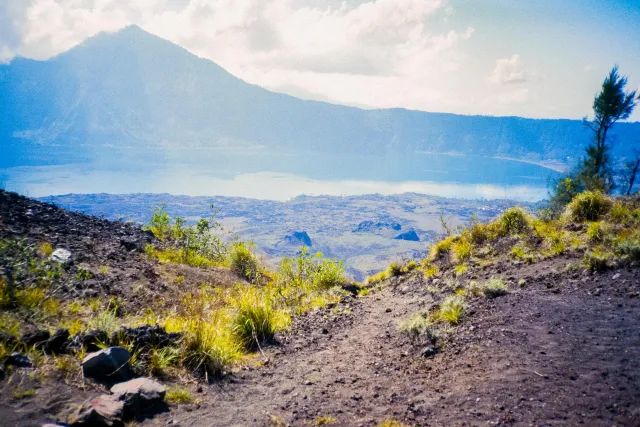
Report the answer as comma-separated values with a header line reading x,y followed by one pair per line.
x,y
529,58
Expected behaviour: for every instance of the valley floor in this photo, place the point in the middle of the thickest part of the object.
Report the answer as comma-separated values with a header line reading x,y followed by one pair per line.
x,y
563,350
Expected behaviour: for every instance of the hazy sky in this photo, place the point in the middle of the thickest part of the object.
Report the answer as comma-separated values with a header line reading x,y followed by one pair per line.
x,y
543,58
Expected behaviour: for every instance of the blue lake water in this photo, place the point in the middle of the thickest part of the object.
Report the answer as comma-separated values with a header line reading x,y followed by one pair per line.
x,y
276,176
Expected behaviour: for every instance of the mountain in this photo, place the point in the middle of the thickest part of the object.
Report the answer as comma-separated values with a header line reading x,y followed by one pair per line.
x,y
133,89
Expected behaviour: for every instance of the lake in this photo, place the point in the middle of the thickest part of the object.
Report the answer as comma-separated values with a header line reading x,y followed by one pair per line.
x,y
275,175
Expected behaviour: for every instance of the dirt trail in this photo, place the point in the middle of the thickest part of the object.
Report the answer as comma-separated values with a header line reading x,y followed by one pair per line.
x,y
562,351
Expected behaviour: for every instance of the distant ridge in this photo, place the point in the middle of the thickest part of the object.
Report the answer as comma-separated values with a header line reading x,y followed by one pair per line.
x,y
131,88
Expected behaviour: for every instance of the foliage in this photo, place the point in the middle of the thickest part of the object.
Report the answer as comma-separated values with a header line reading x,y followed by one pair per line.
x,y
395,269
430,270
461,249
514,221
315,272
178,395
23,276
377,278
588,206
417,326
452,309
256,319
598,260
494,287
610,105
245,262
325,421
460,269
439,249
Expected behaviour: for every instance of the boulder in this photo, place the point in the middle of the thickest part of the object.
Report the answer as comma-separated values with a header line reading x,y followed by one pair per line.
x,y
19,360
139,394
109,365
101,411
146,337
60,255
57,342
36,339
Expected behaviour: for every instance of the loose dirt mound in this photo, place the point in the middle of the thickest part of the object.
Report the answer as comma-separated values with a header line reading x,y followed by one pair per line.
x,y
562,350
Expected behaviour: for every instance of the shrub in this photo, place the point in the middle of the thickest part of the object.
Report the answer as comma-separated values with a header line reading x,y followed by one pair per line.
x,y
597,260
158,360
45,249
314,272
441,248
410,266
452,309
322,421
620,212
417,326
178,395
460,269
461,250
597,231
514,221
255,318
208,349
430,270
391,423
629,248
395,269
493,288
588,206
479,233
245,262
377,278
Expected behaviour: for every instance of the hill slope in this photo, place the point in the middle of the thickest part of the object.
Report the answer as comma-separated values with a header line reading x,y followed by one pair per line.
x,y
131,88
558,346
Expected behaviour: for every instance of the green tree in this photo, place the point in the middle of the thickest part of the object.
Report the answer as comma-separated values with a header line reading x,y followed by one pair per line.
x,y
611,104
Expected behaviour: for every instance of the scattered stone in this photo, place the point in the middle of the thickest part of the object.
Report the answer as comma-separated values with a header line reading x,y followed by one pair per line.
x,y
139,394
60,255
110,365
19,360
101,411
429,351
388,310
56,344
36,339
146,337
615,276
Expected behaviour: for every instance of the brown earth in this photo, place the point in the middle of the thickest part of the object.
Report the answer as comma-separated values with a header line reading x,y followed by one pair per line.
x,y
562,349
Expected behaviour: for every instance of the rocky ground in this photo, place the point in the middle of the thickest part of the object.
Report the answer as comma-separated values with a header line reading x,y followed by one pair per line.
x,y
562,347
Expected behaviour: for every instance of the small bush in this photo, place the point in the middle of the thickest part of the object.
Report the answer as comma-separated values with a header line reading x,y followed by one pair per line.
x,y
178,395
588,206
441,248
452,309
245,262
629,248
514,221
377,278
620,212
391,423
417,326
479,233
45,249
325,421
597,231
430,270
493,288
159,360
461,250
20,393
255,318
597,260
410,266
460,269
395,269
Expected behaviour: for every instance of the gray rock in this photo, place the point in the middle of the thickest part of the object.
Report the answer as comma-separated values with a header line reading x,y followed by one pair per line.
x,y
109,365
60,255
19,360
139,394
101,411
430,351
35,339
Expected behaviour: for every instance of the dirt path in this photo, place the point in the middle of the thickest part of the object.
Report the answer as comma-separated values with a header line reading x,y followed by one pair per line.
x,y
562,351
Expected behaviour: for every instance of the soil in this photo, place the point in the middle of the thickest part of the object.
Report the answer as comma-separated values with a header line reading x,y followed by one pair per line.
x,y
562,348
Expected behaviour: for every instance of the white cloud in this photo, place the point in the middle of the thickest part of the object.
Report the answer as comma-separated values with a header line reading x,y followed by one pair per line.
x,y
509,70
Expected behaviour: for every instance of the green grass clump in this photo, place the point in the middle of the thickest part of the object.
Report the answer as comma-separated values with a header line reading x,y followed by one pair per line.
x,y
256,319
494,288
460,269
588,206
410,266
417,326
620,212
178,395
23,393
514,221
430,270
45,249
325,421
452,309
629,248
159,360
392,423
